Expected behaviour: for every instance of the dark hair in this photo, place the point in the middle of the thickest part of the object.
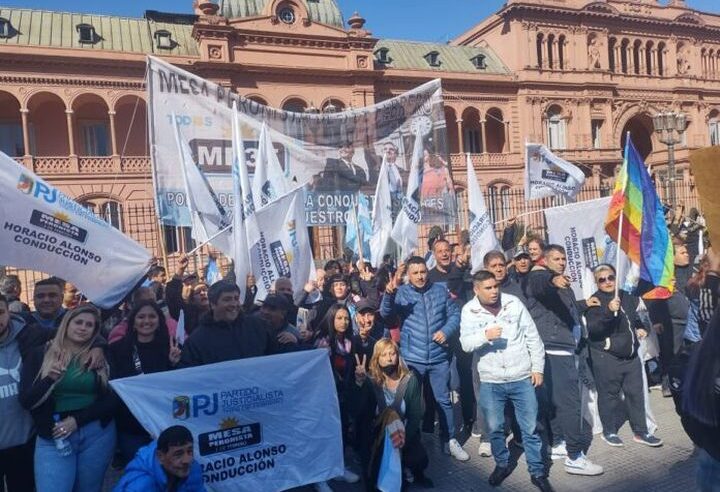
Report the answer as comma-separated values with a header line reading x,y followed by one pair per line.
x,y
492,255
482,276
538,240
4,300
327,326
416,260
162,333
440,240
138,292
331,265
177,435
699,395
56,281
219,288
155,271
553,247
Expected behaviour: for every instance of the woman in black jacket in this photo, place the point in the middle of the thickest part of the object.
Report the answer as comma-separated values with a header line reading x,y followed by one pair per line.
x,y
613,329
143,350
72,407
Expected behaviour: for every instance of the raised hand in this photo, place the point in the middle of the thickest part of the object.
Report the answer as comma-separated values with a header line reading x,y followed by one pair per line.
x,y
561,281
614,305
175,351
360,371
182,265
58,366
493,333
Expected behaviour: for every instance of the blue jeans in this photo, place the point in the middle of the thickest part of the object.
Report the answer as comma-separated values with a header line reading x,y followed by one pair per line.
x,y
82,471
493,397
708,472
439,376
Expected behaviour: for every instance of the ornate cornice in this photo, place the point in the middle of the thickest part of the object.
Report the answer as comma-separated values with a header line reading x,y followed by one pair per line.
x,y
60,81
279,40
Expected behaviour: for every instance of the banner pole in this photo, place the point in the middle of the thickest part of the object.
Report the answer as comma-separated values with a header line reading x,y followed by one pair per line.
x,y
621,220
358,237
199,246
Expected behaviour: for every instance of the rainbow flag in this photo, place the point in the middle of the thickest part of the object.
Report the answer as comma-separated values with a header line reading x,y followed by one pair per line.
x,y
645,237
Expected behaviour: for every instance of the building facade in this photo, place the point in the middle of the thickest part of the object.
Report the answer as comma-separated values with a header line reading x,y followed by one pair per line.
x,y
574,74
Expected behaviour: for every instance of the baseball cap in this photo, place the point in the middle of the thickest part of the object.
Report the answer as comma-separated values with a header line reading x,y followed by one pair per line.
x,y
276,301
365,305
520,251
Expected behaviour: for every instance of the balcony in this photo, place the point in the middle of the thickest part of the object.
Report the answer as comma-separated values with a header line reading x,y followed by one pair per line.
x,y
483,160
63,165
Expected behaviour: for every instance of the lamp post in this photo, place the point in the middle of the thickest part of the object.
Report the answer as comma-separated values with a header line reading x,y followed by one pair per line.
x,y
670,126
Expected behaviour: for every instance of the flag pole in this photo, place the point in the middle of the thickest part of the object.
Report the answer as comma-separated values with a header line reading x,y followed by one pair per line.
x,y
621,220
199,246
358,236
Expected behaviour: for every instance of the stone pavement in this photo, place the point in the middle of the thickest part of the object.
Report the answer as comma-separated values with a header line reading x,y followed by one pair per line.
x,y
634,468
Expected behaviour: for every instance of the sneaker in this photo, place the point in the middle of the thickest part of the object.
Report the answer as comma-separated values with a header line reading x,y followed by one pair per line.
x,y
612,440
542,483
665,385
582,466
499,474
423,482
558,451
408,476
453,448
476,431
484,450
322,487
648,440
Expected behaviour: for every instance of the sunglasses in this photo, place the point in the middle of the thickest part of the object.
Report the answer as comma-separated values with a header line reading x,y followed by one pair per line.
x,y
609,278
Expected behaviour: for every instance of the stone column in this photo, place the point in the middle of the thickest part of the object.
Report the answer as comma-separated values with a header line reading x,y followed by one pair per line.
x,y
113,138
555,57
618,57
630,59
71,132
26,133
641,56
461,137
482,136
653,61
507,148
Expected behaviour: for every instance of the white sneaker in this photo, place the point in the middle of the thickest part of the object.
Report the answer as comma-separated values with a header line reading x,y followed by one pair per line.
x,y
322,487
453,448
348,476
559,451
582,466
484,450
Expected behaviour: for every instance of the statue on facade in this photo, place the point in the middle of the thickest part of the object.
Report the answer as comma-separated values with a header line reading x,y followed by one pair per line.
x,y
594,55
683,62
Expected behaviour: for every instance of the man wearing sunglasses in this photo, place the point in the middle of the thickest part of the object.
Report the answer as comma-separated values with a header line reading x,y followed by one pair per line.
x,y
613,332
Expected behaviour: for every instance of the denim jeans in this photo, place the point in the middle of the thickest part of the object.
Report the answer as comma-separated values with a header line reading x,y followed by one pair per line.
x,y
708,472
82,471
439,376
493,397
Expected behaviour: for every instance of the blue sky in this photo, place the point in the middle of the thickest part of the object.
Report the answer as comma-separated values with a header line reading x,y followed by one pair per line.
x,y
426,20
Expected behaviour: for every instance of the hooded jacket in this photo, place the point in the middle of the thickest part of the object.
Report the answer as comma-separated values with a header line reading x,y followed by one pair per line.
x,y
145,474
422,313
610,333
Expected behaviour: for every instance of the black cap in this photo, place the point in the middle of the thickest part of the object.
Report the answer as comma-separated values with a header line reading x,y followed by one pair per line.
x,y
365,305
277,301
338,277
520,251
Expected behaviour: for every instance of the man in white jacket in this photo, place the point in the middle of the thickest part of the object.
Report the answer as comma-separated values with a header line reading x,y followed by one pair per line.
x,y
511,358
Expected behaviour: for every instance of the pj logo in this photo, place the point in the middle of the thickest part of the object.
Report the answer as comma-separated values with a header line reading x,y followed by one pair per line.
x,y
185,407
37,189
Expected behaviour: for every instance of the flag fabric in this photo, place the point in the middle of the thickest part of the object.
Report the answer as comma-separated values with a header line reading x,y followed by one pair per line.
x,y
207,216
269,182
547,174
645,237
44,230
381,217
481,229
407,225
212,272
180,334
390,471
359,228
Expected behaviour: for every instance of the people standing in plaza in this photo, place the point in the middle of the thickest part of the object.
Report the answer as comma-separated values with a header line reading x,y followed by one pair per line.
x,y
11,288
551,303
47,299
429,317
72,407
510,363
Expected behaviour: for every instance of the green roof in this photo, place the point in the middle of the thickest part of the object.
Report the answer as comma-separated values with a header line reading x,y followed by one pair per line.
x,y
411,55
126,34
322,11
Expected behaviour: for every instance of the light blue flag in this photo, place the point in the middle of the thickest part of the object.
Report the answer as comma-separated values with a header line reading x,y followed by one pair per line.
x,y
359,229
212,273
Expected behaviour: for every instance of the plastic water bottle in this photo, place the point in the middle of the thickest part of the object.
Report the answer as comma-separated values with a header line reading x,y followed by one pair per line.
x,y
63,446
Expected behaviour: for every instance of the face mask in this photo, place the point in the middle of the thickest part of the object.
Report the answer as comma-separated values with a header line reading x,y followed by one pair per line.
x,y
389,370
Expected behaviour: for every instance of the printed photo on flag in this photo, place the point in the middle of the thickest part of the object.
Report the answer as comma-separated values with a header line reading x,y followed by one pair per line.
x,y
548,175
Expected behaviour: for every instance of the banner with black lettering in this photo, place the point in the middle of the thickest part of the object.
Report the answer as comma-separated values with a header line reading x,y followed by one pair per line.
x,y
44,230
265,423
336,154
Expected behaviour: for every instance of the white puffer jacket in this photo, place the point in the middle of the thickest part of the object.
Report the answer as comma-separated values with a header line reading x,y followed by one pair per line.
x,y
512,357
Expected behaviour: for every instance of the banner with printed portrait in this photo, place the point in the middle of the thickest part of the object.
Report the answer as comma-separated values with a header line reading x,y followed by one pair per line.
x,y
335,154
264,423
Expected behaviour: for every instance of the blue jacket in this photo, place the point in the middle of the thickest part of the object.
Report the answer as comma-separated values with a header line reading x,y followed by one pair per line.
x,y
145,474
423,312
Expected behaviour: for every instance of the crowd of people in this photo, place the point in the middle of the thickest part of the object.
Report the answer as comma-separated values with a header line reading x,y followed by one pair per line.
x,y
407,345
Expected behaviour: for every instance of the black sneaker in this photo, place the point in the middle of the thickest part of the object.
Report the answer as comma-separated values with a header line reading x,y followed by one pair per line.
x,y
612,440
423,482
498,475
648,440
542,483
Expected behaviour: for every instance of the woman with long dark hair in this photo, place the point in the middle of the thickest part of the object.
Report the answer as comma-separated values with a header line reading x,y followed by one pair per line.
x,y
72,407
146,348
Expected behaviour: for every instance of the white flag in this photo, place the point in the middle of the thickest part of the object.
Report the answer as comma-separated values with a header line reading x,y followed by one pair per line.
x,y
44,230
381,217
547,174
207,216
482,230
269,182
283,249
405,230
180,334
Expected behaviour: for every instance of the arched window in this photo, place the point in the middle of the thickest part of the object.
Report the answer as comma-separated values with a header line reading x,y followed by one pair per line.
x,y
714,124
539,46
109,210
556,128
661,59
624,62
551,61
561,52
612,46
499,201
637,58
649,58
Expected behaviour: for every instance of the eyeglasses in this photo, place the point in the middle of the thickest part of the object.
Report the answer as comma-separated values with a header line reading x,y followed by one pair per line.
x,y
609,278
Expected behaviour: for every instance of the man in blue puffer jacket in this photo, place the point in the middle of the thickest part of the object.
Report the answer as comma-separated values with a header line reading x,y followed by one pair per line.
x,y
428,319
164,465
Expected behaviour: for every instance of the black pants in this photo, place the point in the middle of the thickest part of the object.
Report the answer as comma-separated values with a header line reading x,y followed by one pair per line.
x,y
466,370
670,341
16,468
559,405
613,375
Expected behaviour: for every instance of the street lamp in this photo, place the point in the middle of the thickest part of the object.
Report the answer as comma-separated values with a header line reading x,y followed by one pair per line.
x,y
670,127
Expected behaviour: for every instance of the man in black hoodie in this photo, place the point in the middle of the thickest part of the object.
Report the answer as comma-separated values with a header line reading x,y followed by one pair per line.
x,y
225,333
613,331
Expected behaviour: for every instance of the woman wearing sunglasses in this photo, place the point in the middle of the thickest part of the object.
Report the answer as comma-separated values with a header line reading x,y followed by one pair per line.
x,y
613,329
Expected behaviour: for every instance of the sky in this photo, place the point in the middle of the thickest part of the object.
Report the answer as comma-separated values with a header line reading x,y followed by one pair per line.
x,y
422,20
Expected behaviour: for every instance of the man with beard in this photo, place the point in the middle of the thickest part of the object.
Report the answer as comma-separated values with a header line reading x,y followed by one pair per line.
x,y
48,299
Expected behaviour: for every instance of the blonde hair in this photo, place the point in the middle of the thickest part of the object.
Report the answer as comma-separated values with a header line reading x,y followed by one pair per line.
x,y
58,345
381,346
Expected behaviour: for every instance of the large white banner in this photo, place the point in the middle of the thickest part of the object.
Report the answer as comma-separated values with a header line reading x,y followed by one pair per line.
x,y
44,230
547,174
265,423
580,228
